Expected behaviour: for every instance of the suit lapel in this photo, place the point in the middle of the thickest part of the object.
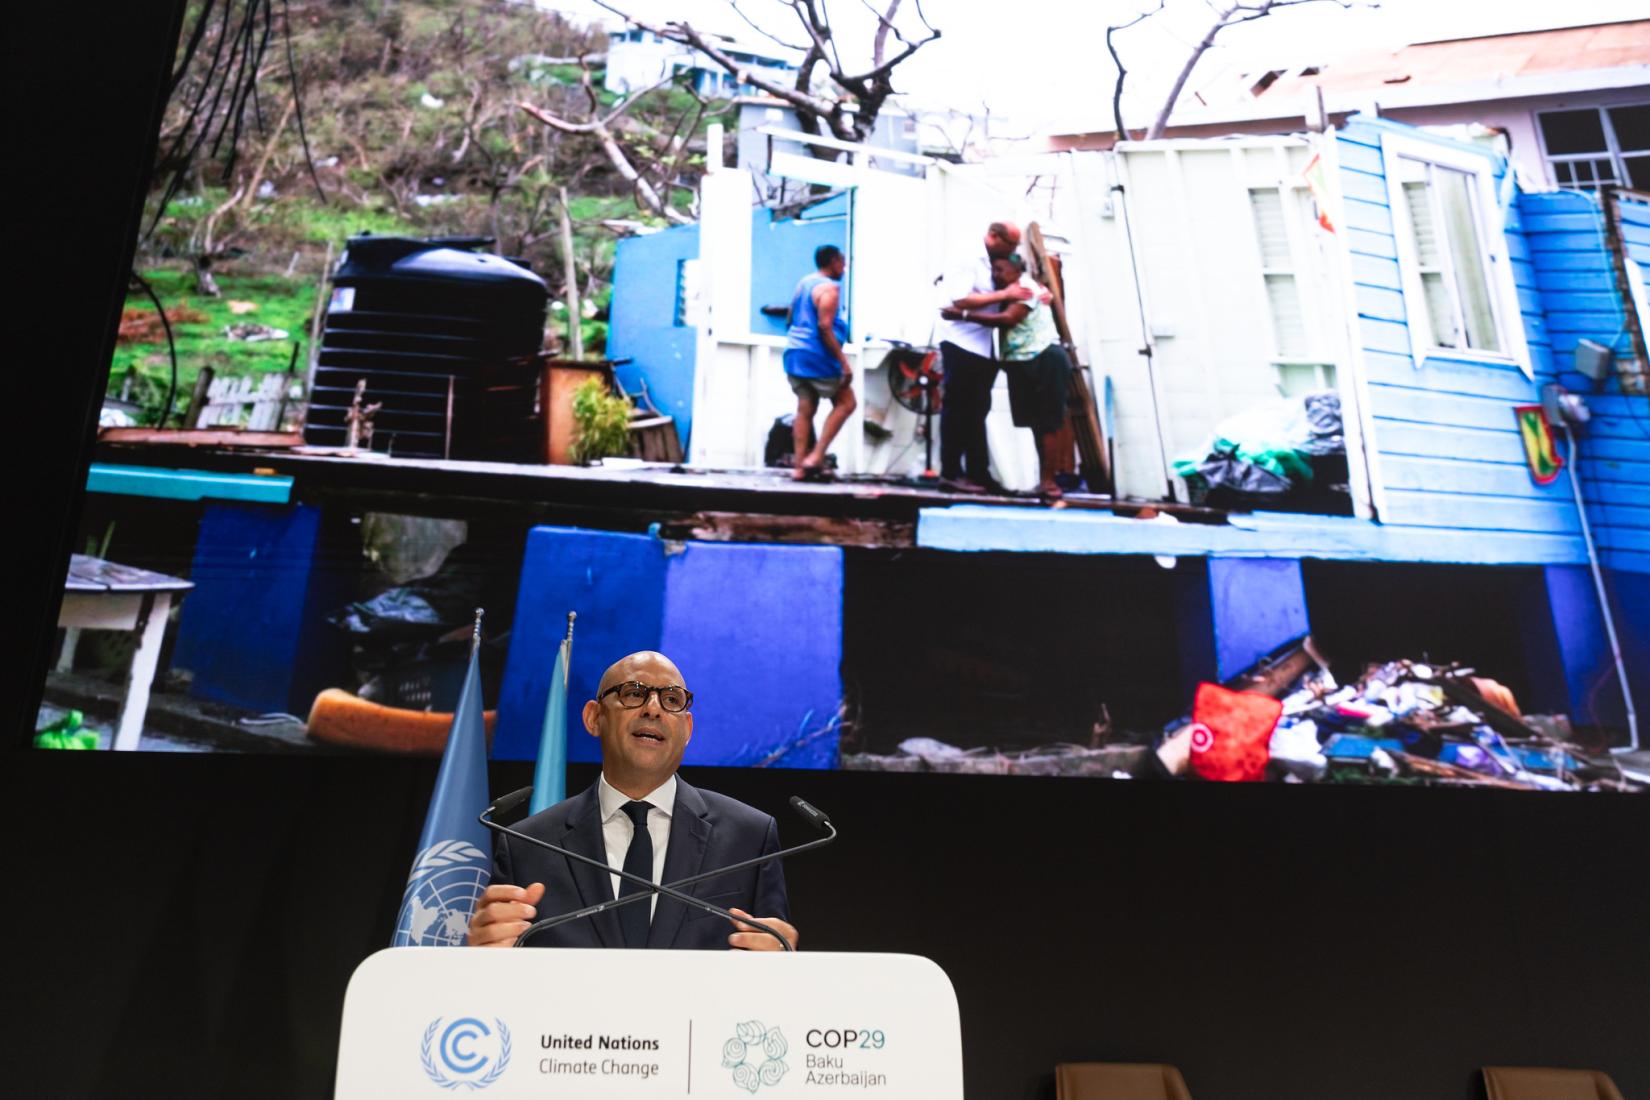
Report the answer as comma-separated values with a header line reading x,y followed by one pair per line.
x,y
690,828
584,836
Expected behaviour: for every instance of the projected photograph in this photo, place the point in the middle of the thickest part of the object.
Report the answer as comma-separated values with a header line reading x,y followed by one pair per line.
x,y
1315,452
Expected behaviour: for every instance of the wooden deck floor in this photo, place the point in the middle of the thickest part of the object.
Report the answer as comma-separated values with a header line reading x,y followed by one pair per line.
x,y
686,502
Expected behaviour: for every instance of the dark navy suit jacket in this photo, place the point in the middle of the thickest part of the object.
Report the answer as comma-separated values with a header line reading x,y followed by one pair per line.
x,y
707,831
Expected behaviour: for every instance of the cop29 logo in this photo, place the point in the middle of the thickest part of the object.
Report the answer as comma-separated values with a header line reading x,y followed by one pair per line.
x,y
755,1055
467,1049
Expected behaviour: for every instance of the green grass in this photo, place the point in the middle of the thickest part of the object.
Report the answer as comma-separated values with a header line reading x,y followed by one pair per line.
x,y
282,303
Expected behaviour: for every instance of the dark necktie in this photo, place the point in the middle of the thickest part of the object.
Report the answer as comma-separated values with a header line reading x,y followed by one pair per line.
x,y
635,918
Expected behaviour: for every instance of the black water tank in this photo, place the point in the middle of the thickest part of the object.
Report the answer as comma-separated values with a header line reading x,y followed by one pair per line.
x,y
419,320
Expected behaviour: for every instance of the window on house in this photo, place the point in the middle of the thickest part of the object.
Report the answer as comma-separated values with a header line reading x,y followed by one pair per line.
x,y
1449,264
1594,147
1298,344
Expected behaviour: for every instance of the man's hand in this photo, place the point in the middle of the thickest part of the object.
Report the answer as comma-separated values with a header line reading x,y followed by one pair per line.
x,y
1045,295
504,913
749,939
1019,292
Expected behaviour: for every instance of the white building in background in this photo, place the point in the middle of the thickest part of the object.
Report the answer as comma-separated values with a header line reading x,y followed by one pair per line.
x,y
638,59
1569,106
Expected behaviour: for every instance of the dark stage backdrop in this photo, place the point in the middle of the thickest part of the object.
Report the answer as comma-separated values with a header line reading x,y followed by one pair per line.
x,y
187,924
191,922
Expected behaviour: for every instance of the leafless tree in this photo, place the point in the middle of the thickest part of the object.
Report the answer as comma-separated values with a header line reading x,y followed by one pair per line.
x,y
1226,13
651,167
846,104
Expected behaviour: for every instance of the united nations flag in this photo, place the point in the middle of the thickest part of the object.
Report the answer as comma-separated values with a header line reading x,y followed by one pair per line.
x,y
453,866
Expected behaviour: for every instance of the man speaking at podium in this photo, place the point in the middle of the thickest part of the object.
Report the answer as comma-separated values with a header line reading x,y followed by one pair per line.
x,y
639,817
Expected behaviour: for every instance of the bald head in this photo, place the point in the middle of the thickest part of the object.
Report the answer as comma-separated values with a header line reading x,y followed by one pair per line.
x,y
627,667
1001,238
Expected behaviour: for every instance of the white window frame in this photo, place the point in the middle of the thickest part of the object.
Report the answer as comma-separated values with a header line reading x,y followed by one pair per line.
x,y
1492,236
1612,150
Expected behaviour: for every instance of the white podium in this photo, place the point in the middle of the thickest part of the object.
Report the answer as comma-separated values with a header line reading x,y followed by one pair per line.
x,y
590,1025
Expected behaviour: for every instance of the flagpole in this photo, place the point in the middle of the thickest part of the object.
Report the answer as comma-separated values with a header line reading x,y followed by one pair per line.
x,y
567,648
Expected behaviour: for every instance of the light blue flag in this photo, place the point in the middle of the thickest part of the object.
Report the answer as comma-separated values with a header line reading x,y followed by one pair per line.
x,y
550,773
454,861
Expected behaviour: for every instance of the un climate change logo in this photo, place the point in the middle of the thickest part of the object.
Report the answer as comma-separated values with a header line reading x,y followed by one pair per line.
x,y
445,886
754,1055
462,1048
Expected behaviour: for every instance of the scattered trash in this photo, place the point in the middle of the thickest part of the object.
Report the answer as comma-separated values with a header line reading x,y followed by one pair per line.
x,y
1264,454
140,325
238,307
924,754
1402,721
254,333
68,732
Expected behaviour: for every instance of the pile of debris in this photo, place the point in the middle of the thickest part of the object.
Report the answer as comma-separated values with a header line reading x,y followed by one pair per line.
x,y
1400,722
924,754
1286,719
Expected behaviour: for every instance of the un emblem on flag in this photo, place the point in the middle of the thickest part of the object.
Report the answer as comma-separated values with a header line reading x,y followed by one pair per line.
x,y
444,888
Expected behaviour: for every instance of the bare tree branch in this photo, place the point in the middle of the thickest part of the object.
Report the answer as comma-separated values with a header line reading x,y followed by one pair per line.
x,y
1226,16
851,116
1122,73
600,127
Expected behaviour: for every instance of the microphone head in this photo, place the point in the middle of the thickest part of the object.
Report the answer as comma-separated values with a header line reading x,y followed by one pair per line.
x,y
508,807
810,813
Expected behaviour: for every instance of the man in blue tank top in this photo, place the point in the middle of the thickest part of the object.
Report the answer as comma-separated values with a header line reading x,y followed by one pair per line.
x,y
814,362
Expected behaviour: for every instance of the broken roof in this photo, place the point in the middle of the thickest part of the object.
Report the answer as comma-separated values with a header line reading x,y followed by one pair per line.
x,y
1458,70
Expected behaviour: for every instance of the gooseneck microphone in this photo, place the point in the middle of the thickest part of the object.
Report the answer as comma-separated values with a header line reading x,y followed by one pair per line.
x,y
513,801
804,809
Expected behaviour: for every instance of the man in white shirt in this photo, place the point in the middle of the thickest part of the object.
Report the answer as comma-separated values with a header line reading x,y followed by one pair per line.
x,y
966,356
642,714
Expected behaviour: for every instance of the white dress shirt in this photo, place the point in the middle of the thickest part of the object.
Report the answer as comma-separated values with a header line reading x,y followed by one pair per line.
x,y
617,829
965,277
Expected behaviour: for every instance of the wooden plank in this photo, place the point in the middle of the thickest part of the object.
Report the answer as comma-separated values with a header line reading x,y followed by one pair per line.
x,y
1560,222
1468,511
1357,157
1375,271
1366,243
1397,437
1365,205
1380,303
184,437
140,675
1503,380
1464,475
811,530
1387,336
1423,406
100,610
87,573
977,528
1085,423
1586,241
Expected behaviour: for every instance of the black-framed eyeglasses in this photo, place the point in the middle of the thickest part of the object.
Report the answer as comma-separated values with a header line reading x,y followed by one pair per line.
x,y
633,693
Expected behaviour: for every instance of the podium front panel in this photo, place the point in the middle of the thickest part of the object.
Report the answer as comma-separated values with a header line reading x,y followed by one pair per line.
x,y
593,1025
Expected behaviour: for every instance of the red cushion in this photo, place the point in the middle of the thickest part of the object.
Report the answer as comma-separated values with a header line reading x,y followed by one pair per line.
x,y
1231,733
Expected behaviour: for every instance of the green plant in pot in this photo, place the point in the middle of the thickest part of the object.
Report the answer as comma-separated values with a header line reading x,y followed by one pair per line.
x,y
601,423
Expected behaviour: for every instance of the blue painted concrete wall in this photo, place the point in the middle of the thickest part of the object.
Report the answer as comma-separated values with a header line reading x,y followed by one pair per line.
x,y
642,321
756,630
642,318
1576,282
253,631
782,251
